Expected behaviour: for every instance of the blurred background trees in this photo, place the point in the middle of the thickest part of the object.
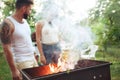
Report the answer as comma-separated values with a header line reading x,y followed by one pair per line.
x,y
104,19
6,8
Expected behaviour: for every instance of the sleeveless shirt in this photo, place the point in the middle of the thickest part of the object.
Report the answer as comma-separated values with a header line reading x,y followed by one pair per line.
x,y
50,33
22,47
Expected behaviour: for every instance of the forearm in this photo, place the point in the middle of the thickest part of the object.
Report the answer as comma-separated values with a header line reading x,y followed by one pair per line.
x,y
9,57
39,45
42,56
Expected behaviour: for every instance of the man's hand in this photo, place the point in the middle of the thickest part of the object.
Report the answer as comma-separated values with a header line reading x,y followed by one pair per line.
x,y
16,75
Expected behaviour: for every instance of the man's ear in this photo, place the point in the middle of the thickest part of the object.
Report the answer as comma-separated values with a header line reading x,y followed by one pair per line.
x,y
23,9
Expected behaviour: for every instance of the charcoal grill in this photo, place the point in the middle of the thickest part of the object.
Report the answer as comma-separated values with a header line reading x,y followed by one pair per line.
x,y
84,70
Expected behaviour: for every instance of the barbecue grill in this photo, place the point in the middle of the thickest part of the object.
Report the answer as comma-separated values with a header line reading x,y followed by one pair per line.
x,y
84,70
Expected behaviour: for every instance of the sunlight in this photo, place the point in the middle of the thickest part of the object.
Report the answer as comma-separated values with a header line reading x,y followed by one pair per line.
x,y
77,8
80,8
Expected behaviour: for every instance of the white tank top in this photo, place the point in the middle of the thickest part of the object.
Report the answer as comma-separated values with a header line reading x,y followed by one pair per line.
x,y
50,33
22,47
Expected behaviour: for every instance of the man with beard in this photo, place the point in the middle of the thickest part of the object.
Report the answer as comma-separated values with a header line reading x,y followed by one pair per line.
x,y
16,40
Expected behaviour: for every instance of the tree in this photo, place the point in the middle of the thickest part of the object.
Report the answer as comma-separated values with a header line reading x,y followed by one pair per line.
x,y
7,8
107,13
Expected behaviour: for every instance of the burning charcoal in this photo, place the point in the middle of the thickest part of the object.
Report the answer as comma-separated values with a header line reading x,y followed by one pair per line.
x,y
84,63
102,72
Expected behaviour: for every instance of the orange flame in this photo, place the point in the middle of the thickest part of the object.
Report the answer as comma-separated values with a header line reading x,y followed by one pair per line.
x,y
54,68
63,63
60,66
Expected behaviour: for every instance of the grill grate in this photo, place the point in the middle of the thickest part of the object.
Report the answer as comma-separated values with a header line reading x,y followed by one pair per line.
x,y
84,70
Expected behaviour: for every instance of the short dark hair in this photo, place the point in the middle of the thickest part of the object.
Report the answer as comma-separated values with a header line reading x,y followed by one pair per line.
x,y
20,3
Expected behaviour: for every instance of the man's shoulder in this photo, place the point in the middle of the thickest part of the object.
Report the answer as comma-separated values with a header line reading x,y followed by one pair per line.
x,y
8,22
40,23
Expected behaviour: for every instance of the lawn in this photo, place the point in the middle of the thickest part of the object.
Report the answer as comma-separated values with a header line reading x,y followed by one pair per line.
x,y
4,69
112,55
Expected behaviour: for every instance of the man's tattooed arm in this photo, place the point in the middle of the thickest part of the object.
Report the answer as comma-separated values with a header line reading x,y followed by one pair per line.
x,y
5,33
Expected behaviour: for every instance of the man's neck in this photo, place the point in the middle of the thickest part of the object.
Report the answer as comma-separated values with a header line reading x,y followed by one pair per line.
x,y
18,17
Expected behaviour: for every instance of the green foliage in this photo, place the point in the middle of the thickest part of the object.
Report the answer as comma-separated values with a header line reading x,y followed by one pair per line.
x,y
107,13
31,21
9,8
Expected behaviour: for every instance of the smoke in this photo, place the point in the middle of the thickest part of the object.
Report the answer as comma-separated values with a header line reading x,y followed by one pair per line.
x,y
74,37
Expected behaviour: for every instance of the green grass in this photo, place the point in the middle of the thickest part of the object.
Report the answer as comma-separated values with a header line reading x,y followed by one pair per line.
x,y
4,69
112,55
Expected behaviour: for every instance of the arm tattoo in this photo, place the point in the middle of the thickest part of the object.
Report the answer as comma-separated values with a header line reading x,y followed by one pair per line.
x,y
5,33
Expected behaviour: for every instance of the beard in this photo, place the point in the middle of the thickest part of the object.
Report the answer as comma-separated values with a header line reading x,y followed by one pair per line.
x,y
25,16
